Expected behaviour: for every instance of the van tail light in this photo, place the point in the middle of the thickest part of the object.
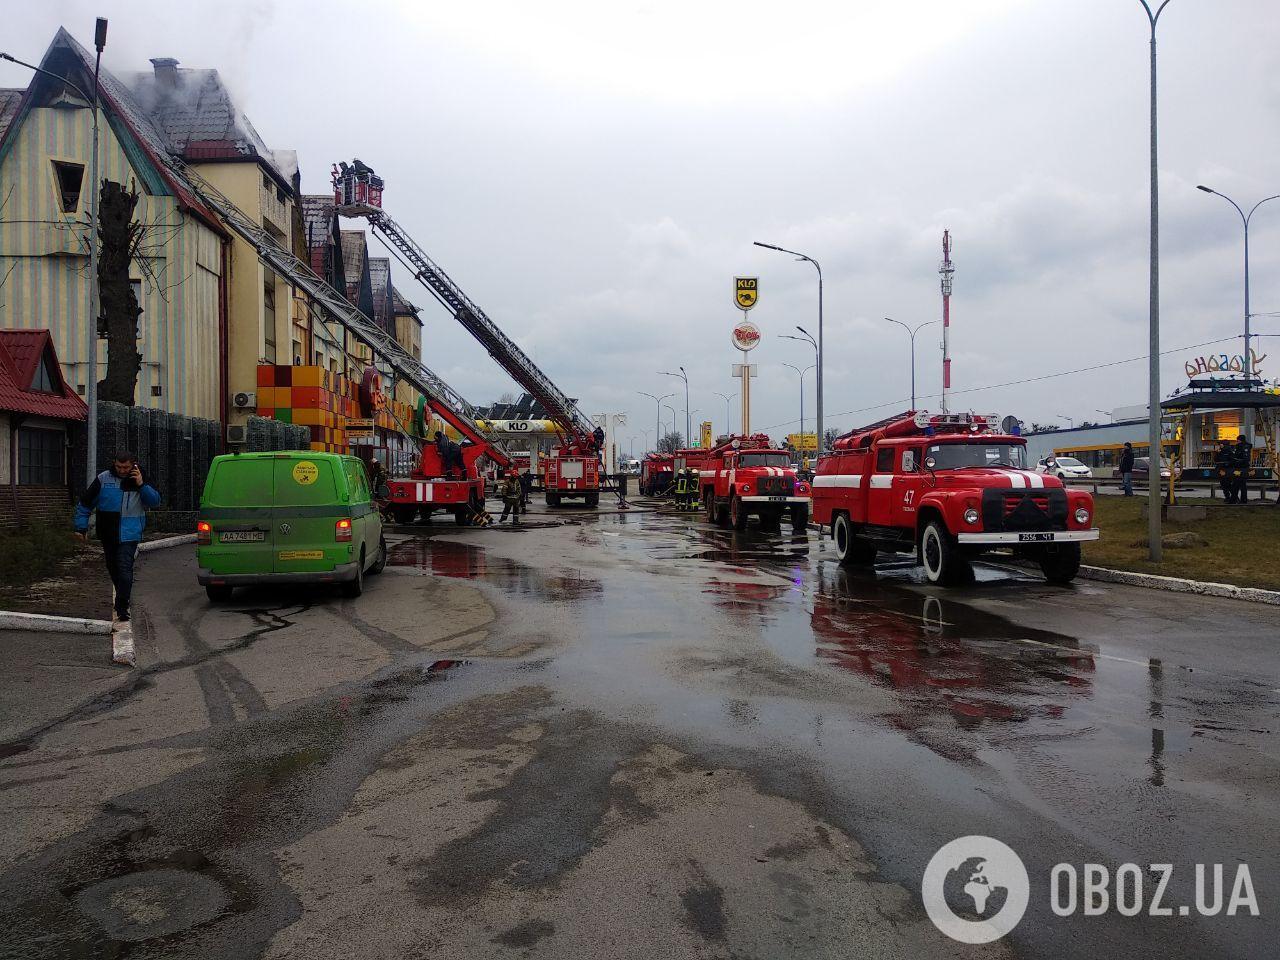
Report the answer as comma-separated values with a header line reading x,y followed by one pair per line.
x,y
342,531
204,533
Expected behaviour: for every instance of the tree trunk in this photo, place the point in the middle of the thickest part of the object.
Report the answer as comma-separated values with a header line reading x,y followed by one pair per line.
x,y
119,235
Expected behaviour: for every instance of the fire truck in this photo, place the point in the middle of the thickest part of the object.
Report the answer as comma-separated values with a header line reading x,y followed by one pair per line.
x,y
947,487
573,468
656,471
746,476
428,487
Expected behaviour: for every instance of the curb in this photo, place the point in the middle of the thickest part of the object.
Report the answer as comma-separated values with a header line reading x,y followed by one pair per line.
x,y
146,546
1180,585
43,623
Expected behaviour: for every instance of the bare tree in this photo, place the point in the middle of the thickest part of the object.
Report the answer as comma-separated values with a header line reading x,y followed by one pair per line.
x,y
671,442
120,237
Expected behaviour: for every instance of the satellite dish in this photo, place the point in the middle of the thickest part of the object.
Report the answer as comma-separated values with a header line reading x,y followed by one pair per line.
x,y
1009,425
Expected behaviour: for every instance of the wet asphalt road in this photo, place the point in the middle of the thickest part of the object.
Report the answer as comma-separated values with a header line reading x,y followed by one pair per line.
x,y
631,735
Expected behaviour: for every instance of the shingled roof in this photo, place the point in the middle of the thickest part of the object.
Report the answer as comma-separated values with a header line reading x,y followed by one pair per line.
x,y
21,354
10,100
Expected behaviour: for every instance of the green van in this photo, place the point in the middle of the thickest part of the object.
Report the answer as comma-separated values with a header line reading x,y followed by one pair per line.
x,y
292,516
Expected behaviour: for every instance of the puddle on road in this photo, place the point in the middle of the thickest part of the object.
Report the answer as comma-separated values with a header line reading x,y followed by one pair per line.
x,y
467,561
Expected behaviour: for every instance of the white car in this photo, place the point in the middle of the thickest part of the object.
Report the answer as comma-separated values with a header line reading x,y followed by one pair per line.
x,y
1064,468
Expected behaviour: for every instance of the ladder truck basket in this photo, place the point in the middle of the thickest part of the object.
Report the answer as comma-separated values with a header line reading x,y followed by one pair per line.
x,y
356,185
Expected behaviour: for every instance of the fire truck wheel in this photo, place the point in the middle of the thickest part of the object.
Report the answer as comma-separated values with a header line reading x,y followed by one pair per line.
x,y
462,517
942,560
709,504
850,548
553,498
405,515
1060,562
381,563
737,513
799,518
593,498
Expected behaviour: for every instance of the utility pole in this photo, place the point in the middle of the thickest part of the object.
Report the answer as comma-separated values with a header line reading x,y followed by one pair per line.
x,y
947,270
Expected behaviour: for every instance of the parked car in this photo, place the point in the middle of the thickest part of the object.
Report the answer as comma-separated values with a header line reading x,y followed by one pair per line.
x,y
1064,468
1142,469
296,516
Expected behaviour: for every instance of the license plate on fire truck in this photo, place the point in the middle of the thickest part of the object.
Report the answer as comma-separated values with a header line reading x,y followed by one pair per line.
x,y
781,499
1034,537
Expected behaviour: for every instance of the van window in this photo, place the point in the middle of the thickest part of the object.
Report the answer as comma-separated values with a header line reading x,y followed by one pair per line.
x,y
356,480
304,482
884,460
240,483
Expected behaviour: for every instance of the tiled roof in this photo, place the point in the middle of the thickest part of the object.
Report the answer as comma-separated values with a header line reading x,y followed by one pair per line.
x,y
9,101
198,118
401,306
20,352
354,251
317,228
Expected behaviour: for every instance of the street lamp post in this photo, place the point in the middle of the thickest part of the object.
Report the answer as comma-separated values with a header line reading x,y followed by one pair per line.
x,y
728,424
1109,413
657,420
684,376
816,266
91,380
667,406
1069,420
912,332
1247,358
802,373
1153,359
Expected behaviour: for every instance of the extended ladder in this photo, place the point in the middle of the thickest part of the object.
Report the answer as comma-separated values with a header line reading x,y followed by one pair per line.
x,y
446,402
560,409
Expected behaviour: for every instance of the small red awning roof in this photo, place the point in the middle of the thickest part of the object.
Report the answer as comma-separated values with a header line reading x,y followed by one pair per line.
x,y
21,353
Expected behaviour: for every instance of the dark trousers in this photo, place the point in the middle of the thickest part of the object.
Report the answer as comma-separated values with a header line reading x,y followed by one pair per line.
x,y
510,507
119,558
1242,487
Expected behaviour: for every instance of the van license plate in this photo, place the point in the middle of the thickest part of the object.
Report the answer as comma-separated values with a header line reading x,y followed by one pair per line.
x,y
242,536
1033,537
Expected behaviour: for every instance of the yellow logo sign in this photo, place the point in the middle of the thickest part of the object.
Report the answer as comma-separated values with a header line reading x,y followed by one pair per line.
x,y
301,554
746,290
706,434
305,473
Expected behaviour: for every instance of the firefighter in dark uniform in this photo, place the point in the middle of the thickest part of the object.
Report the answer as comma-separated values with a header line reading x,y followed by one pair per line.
x,y
1243,451
510,491
1223,465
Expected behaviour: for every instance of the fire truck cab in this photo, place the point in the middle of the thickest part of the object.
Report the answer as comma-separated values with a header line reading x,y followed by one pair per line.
x,y
745,476
947,487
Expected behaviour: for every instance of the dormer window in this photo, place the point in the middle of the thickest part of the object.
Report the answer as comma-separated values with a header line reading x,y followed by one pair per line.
x,y
43,379
70,177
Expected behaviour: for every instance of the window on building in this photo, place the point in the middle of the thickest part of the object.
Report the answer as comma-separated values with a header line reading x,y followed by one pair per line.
x,y
269,322
266,182
297,353
41,456
70,178
43,379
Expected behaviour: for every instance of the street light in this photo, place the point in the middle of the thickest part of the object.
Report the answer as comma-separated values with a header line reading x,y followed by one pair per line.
x,y
657,420
818,344
667,406
728,425
913,333
684,376
802,373
1109,413
1153,322
91,380
1069,420
1247,414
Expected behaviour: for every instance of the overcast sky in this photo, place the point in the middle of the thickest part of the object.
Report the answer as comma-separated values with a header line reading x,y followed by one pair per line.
x,y
593,175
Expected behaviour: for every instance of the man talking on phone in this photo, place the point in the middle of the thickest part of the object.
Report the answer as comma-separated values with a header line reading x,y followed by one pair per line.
x,y
121,496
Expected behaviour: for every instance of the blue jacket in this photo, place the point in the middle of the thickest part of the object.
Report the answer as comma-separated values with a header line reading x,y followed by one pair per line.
x,y
121,513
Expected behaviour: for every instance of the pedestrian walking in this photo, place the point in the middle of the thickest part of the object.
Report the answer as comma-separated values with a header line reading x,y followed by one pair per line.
x,y
510,492
121,497
1224,467
1126,469
1243,456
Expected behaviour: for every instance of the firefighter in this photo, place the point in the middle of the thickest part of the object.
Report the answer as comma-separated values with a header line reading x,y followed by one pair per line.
x,y
1224,464
687,489
510,491
450,457
1242,455
526,484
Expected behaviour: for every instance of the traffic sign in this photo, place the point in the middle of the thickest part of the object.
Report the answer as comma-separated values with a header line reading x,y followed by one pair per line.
x,y
746,290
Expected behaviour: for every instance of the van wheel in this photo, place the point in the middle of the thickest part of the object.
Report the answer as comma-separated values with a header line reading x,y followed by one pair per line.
x,y
799,518
219,593
851,549
355,586
1060,562
942,561
381,563
738,515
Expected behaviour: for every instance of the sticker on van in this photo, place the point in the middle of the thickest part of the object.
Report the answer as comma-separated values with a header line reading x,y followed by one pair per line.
x,y
305,473
301,555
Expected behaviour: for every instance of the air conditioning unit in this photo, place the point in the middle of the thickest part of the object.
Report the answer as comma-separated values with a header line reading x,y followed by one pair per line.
x,y
245,401
237,434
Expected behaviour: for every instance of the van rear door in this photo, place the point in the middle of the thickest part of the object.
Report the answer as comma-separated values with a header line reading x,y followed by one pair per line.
x,y
238,507
307,509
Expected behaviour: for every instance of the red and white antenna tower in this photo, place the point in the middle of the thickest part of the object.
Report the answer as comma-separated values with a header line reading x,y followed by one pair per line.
x,y
946,270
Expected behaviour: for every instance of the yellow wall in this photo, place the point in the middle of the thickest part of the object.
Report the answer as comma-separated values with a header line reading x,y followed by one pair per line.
x,y
44,265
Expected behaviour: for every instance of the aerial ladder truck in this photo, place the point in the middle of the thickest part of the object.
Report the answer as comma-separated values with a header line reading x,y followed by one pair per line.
x,y
573,468
428,488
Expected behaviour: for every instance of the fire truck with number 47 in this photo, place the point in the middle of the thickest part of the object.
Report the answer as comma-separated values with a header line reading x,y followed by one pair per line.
x,y
947,487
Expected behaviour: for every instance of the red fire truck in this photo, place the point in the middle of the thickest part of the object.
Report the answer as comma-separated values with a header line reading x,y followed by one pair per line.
x,y
428,488
656,470
747,475
947,487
